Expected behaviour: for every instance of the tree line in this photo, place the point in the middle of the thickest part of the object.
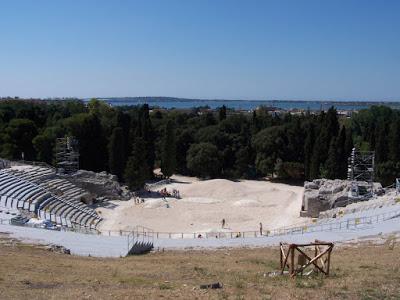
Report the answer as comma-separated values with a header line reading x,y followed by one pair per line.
x,y
131,141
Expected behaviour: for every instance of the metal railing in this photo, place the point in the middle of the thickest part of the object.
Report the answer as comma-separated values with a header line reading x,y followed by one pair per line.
x,y
149,186
146,233
140,235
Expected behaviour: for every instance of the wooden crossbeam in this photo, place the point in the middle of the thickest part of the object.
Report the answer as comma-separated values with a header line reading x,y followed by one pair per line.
x,y
321,256
311,261
286,256
321,259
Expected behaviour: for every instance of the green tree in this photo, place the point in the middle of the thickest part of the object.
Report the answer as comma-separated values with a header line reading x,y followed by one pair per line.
x,y
341,154
387,172
270,145
184,140
168,159
381,146
222,113
146,132
136,168
123,120
320,153
20,134
44,143
332,165
394,141
116,153
203,161
308,151
349,145
332,123
87,129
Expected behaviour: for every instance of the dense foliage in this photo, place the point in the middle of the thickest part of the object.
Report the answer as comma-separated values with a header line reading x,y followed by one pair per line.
x,y
131,141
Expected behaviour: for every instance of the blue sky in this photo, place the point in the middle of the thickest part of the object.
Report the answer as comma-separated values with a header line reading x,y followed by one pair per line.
x,y
339,49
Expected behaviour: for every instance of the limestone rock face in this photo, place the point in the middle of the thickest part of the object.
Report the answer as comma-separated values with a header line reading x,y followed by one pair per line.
x,y
101,184
324,194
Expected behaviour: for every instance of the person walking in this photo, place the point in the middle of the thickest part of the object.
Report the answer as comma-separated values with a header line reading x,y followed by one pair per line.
x,y
261,229
223,223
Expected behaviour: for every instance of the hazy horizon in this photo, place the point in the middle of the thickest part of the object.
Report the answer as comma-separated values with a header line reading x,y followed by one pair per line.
x,y
199,99
253,50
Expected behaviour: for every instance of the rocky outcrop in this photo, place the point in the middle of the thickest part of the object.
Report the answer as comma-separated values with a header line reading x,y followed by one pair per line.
x,y
101,184
323,194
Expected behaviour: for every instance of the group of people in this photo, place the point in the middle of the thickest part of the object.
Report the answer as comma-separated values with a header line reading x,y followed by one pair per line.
x,y
223,224
138,200
164,193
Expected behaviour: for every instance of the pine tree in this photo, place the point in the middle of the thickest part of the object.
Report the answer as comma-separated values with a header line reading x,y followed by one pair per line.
x,y
116,153
135,174
168,159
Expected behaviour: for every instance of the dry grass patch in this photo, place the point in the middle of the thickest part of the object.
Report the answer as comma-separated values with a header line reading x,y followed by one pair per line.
x,y
29,272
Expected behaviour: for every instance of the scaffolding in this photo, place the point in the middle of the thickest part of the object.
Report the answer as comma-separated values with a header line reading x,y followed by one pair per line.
x,y
361,173
67,155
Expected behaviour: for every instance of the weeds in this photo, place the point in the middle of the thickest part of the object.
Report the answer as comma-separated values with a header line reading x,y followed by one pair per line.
x,y
310,282
164,286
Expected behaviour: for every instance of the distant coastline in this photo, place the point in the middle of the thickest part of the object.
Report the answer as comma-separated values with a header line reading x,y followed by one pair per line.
x,y
237,104
186,103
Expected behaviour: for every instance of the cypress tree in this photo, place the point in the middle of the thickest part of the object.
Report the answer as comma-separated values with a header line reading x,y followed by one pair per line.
x,y
135,174
116,152
332,123
324,142
168,156
222,113
146,132
332,165
348,147
394,141
315,160
308,152
341,152
254,123
380,142
123,120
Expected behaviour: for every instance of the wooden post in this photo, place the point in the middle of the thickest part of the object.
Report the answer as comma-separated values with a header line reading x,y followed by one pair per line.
x,y
315,254
291,248
329,261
